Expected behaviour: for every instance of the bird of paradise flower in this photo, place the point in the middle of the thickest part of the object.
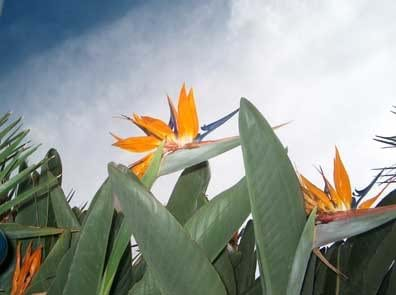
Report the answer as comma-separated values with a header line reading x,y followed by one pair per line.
x,y
25,269
182,131
334,201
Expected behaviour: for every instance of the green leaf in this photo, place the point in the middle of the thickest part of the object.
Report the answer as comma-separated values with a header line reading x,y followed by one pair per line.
x,y
54,164
246,269
14,181
62,272
213,225
226,271
19,158
322,271
275,198
12,146
138,269
121,243
146,286
64,215
255,289
123,235
7,129
310,276
151,173
340,259
188,157
43,279
123,279
371,255
19,231
177,263
353,223
301,258
88,261
190,186
4,119
388,286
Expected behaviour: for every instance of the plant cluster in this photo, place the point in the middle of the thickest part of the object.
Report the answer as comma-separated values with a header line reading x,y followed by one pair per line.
x,y
273,232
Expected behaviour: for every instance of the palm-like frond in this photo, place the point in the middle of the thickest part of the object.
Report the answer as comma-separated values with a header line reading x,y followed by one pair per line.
x,y
14,152
388,174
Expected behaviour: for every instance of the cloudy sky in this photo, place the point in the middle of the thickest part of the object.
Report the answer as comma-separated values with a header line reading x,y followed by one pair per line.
x,y
70,66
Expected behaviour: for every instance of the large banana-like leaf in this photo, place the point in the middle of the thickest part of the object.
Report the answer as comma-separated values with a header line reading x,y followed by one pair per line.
x,y
309,280
191,185
151,173
62,272
213,225
176,262
322,271
275,198
370,255
43,279
120,244
225,269
388,285
87,266
333,283
246,270
255,289
123,235
54,164
301,257
188,157
353,223
64,215
145,286
118,278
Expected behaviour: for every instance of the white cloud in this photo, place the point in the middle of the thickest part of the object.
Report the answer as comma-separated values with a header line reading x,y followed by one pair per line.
x,y
330,67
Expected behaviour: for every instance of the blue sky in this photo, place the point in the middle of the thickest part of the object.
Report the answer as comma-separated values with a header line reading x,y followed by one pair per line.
x,y
69,67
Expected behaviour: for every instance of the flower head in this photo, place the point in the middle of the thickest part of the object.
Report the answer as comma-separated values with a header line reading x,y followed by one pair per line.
x,y
181,132
26,269
335,198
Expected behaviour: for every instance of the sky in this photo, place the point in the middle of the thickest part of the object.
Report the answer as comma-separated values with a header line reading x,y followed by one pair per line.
x,y
69,68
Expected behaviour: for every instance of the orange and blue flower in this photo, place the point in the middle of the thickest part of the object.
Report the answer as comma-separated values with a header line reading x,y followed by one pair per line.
x,y
333,199
182,131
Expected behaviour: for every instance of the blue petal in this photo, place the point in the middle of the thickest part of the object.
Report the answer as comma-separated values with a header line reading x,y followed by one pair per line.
x,y
172,124
359,194
212,126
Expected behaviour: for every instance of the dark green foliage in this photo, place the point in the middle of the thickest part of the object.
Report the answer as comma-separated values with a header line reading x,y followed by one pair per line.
x,y
194,244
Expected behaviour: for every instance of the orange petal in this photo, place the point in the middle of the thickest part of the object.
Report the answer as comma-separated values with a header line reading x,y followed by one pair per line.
x,y
17,270
311,202
153,126
24,274
188,125
138,144
341,180
140,166
318,193
335,197
368,203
